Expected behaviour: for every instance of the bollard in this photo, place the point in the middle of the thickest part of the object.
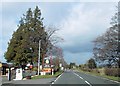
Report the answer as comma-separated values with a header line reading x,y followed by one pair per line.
x,y
52,71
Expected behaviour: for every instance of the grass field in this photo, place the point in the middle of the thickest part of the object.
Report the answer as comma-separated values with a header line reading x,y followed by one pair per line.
x,y
47,76
104,76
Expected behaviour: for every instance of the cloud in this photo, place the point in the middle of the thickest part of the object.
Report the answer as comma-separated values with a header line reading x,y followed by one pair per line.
x,y
80,24
1,56
59,1
78,58
11,12
8,26
83,24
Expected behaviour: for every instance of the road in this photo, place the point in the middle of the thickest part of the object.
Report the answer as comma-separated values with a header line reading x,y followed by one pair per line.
x,y
67,78
82,79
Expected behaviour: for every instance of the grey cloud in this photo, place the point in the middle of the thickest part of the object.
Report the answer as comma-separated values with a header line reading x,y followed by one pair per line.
x,y
86,47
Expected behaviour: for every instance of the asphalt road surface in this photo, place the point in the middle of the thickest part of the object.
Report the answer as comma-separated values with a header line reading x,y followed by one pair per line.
x,y
80,79
67,78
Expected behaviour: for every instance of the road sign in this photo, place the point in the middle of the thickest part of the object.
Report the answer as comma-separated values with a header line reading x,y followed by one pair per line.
x,y
47,61
47,70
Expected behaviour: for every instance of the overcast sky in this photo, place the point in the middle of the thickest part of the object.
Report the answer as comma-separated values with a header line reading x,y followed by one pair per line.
x,y
79,22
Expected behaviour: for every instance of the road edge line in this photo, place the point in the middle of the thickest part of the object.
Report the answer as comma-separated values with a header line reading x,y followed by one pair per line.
x,y
82,79
102,78
57,78
88,83
111,80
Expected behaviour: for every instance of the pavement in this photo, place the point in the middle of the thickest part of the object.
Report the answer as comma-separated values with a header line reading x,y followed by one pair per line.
x,y
28,82
4,78
35,81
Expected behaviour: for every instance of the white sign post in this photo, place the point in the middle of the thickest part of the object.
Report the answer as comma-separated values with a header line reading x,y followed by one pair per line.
x,y
52,71
19,74
40,67
60,65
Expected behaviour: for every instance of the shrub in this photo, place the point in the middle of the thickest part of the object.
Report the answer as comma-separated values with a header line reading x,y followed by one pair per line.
x,y
35,69
107,71
86,69
95,71
112,71
101,71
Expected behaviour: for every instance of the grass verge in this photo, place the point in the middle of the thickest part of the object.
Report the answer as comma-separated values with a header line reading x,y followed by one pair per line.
x,y
47,76
104,76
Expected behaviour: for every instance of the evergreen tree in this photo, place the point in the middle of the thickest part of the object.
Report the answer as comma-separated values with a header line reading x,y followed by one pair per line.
x,y
23,47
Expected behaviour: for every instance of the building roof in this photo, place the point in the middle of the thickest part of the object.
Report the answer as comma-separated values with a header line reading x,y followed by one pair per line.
x,y
5,65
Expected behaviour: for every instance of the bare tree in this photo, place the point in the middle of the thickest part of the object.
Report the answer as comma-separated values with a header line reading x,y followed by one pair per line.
x,y
50,39
106,45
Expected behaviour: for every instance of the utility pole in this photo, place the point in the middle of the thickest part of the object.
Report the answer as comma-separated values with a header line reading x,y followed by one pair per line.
x,y
39,58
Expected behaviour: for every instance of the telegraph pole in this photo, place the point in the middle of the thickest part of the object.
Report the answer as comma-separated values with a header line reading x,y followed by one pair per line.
x,y
39,58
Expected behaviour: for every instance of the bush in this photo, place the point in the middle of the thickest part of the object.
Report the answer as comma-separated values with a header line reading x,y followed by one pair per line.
x,y
112,71
95,71
86,69
35,69
101,71
107,71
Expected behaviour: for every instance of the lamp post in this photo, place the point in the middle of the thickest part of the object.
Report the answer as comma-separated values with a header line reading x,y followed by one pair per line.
x,y
39,58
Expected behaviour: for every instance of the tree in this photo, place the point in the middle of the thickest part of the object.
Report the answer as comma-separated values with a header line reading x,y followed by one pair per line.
x,y
106,46
72,65
23,46
91,63
57,54
51,40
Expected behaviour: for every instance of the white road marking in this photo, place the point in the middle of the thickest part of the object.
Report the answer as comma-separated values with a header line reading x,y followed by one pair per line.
x,y
111,80
103,78
83,79
88,83
78,75
52,83
57,78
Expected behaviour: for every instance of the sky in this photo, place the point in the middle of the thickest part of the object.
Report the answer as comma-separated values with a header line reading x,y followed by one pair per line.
x,y
79,23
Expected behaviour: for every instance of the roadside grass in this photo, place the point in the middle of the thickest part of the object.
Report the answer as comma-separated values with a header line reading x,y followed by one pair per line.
x,y
98,74
47,76
112,78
